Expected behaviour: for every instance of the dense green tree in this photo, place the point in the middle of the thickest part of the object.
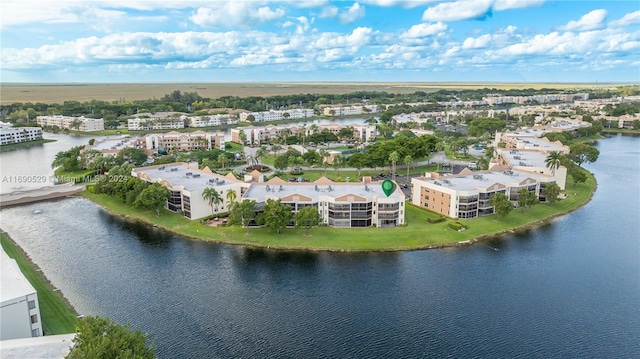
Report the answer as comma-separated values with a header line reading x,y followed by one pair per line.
x,y
275,215
63,156
312,158
526,199
130,155
306,218
551,192
242,212
501,204
482,126
581,153
358,161
102,338
394,157
281,162
153,197
578,174
338,162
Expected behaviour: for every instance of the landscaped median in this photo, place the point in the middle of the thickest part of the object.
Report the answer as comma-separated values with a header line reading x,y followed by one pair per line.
x,y
417,234
58,316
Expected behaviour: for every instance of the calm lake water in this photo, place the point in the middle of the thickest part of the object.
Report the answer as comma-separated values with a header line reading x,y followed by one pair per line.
x,y
569,289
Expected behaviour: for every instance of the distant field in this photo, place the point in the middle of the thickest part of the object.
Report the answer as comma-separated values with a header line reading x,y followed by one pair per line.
x,y
58,93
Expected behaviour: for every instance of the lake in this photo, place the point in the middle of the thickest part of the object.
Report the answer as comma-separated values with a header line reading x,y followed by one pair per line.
x,y
570,288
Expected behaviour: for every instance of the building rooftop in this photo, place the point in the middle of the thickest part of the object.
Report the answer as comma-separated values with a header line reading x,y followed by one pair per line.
x,y
112,144
48,346
525,158
483,180
321,187
13,284
191,178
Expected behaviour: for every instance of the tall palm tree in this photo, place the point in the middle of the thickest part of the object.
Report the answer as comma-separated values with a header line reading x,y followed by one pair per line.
x,y
260,153
324,154
394,157
213,197
553,161
231,198
222,158
338,162
408,160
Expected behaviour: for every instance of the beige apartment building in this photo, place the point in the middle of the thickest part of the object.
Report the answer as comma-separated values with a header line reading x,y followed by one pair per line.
x,y
73,123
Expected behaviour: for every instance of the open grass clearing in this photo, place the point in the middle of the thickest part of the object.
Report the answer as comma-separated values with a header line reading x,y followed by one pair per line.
x,y
14,146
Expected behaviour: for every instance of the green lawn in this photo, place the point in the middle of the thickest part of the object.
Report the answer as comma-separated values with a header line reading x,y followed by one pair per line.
x,y
13,146
58,316
234,147
79,176
417,234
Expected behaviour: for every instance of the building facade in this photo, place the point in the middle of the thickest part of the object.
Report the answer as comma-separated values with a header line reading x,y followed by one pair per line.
x,y
339,204
19,308
276,115
73,123
187,184
183,141
10,134
156,121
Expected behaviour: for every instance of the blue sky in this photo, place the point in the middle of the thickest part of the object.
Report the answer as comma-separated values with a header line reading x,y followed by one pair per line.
x,y
319,40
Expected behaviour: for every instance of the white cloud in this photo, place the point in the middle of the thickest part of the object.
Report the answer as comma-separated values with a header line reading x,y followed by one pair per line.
x,y
477,43
329,12
423,30
500,5
234,14
408,4
589,21
457,10
628,19
353,13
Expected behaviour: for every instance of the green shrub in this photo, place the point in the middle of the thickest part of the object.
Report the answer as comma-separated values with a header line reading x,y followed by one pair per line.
x,y
456,226
437,220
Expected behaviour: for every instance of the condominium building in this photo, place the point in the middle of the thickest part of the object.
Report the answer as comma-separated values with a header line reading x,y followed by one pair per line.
x,y
20,311
10,134
467,194
339,204
258,135
73,123
156,121
210,121
186,184
276,115
183,141
350,110
544,98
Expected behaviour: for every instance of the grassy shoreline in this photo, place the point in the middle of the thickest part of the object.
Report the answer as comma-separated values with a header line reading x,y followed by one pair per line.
x,y
58,315
418,234
14,146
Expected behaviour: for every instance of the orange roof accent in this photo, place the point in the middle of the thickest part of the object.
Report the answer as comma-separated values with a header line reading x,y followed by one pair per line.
x,y
323,180
276,180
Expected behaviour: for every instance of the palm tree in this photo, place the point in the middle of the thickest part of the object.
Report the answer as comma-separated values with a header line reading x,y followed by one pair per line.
x,y
222,158
231,198
260,153
408,160
338,162
394,157
213,197
324,154
553,161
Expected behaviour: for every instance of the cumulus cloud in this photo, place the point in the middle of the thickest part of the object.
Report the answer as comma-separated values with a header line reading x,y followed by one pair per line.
x,y
500,5
422,30
353,13
477,43
458,10
589,21
235,13
629,19
329,12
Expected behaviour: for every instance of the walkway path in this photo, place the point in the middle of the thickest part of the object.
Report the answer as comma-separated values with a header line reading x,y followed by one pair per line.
x,y
41,194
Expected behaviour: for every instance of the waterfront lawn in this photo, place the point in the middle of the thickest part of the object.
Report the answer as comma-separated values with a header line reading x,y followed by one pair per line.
x,y
58,317
76,176
14,146
417,234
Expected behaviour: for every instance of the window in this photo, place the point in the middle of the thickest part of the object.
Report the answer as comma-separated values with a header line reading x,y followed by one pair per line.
x,y
34,318
35,332
32,304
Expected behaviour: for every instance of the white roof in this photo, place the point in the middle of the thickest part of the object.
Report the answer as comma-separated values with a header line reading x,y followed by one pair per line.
x,y
180,174
315,190
48,346
14,284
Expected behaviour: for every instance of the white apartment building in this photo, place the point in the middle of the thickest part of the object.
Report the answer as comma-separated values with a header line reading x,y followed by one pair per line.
x,y
187,183
350,110
276,115
83,124
339,204
494,100
210,121
467,194
183,141
259,135
10,134
20,311
156,121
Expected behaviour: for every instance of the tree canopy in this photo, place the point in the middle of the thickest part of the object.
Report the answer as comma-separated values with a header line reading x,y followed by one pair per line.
x,y
102,338
153,197
275,215
306,218
501,204
583,153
